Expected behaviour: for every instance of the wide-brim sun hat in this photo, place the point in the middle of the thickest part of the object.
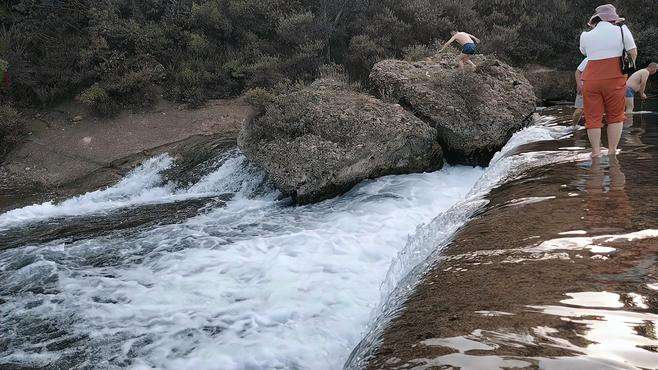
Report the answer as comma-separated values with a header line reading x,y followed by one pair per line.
x,y
607,13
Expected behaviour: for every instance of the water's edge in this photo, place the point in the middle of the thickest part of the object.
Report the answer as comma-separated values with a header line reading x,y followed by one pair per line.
x,y
422,248
557,271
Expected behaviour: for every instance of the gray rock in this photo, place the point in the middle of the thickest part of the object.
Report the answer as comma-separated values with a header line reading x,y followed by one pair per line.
x,y
475,113
319,141
552,85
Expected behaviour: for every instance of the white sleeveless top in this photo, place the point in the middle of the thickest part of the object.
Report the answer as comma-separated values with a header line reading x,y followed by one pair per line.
x,y
604,41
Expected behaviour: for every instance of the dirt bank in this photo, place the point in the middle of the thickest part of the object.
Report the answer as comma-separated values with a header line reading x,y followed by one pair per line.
x,y
69,152
558,272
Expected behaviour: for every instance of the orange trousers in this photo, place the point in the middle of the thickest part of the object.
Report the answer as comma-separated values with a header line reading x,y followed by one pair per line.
x,y
604,91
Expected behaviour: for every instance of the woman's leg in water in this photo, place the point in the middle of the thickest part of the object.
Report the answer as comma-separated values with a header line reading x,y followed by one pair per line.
x,y
594,135
615,107
575,119
594,107
614,134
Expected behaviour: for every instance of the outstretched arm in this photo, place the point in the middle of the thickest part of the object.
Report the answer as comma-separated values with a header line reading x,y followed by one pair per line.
x,y
475,38
447,43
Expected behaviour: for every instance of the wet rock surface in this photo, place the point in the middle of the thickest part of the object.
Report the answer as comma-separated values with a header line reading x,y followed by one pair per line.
x,y
559,271
125,220
318,142
475,113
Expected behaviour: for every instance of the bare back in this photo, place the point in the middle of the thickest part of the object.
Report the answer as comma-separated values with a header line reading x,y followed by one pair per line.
x,y
637,79
463,38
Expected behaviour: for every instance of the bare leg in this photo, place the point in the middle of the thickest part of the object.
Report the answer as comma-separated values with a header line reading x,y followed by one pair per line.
x,y
463,59
469,61
576,116
630,105
614,134
594,135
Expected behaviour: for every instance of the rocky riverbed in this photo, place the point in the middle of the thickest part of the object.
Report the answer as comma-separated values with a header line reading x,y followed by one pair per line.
x,y
167,247
558,271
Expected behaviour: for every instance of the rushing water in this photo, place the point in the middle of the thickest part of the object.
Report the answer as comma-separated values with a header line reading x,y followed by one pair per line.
x,y
249,283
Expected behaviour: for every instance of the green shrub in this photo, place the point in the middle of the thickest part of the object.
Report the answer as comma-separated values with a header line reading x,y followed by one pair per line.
x,y
333,71
210,49
96,98
12,129
363,53
265,72
259,97
415,53
198,43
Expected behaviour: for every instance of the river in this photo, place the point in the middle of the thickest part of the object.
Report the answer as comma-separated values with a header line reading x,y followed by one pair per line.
x,y
223,273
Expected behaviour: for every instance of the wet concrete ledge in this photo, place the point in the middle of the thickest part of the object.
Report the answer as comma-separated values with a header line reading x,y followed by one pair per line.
x,y
558,272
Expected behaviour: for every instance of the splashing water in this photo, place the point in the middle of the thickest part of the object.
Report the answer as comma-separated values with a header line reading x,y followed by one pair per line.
x,y
252,284
145,185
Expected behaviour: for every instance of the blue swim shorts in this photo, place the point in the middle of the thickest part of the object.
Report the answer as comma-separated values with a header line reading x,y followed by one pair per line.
x,y
469,48
630,93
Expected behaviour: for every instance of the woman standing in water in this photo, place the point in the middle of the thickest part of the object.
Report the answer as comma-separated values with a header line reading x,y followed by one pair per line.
x,y
604,84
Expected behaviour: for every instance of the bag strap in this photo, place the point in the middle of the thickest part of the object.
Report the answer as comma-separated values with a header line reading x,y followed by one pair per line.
x,y
623,43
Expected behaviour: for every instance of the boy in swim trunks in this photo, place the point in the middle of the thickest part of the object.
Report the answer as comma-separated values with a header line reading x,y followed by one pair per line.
x,y
467,41
637,83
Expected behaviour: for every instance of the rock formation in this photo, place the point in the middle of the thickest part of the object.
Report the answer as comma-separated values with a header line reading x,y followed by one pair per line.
x,y
319,141
475,113
550,84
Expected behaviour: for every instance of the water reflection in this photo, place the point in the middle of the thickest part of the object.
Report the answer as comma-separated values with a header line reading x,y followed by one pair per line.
x,y
600,335
608,206
636,128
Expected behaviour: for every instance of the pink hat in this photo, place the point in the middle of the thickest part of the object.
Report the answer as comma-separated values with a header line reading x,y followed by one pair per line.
x,y
607,13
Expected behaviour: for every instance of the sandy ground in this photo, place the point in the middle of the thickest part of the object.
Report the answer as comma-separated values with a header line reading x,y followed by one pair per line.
x,y
70,152
567,281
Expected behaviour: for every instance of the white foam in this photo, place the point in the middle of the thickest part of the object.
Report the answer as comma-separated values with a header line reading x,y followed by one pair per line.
x,y
590,243
286,287
143,185
573,232
253,284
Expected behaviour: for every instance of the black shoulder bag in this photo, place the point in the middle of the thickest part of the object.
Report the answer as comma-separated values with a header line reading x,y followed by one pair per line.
x,y
627,63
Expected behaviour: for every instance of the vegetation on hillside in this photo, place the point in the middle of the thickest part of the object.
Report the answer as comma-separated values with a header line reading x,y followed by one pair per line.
x,y
117,54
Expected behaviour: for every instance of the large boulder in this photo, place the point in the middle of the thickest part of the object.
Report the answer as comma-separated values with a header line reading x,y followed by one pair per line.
x,y
550,84
318,141
475,113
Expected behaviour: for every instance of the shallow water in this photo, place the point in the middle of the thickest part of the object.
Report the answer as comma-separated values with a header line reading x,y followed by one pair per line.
x,y
556,272
246,283
611,338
